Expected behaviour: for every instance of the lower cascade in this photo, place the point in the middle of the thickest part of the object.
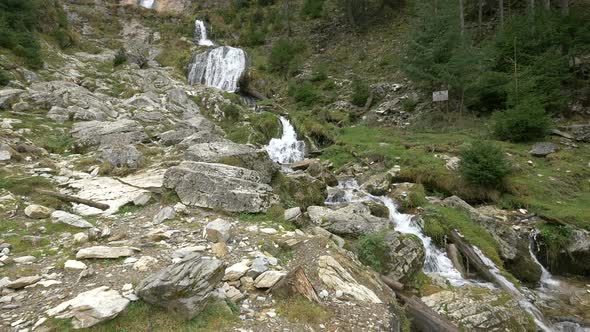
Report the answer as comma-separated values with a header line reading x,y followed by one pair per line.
x,y
287,149
221,67
436,261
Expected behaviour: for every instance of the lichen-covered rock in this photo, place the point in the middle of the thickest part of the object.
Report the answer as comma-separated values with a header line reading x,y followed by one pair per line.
x,y
544,148
183,287
101,133
229,153
218,186
404,257
352,220
337,278
378,184
91,307
118,155
301,188
480,309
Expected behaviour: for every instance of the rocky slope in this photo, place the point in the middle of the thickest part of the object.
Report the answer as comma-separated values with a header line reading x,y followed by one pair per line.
x,y
195,225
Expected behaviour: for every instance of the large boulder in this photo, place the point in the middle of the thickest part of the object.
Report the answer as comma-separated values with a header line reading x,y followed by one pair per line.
x,y
351,220
404,257
102,133
573,259
302,189
218,186
192,130
183,287
378,184
543,149
91,307
118,155
229,153
480,309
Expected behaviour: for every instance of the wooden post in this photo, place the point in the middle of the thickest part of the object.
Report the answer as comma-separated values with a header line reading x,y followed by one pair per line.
x,y
480,16
462,18
501,14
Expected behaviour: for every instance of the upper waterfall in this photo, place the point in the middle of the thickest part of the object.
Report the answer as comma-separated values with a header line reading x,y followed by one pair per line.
x,y
221,67
287,149
201,34
147,3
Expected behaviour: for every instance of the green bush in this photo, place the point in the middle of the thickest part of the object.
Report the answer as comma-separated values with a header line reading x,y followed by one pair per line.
x,y
120,57
284,56
525,122
372,251
360,93
4,79
484,164
313,8
304,93
231,112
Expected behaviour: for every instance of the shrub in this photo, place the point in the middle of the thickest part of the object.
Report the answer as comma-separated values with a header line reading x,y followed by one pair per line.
x,y
484,164
4,79
284,55
304,93
525,122
372,251
120,57
231,112
360,93
313,8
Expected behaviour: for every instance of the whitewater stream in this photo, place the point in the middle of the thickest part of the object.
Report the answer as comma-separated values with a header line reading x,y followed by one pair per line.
x,y
288,149
201,34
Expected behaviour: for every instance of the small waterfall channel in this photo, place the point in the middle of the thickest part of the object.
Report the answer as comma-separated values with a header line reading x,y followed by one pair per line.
x,y
147,3
219,67
287,149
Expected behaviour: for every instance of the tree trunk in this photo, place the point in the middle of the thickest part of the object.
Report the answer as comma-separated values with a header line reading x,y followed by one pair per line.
x,y
565,7
453,254
480,16
547,5
462,17
501,9
73,199
424,318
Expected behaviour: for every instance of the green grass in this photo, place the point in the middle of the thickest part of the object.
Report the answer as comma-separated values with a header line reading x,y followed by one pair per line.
x,y
22,184
439,221
274,216
142,317
300,310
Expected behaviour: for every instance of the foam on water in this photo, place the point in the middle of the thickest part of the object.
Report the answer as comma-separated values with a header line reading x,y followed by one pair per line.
x,y
147,3
287,149
201,34
221,67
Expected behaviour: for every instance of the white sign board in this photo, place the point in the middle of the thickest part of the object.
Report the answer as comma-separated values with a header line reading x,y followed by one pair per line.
x,y
440,95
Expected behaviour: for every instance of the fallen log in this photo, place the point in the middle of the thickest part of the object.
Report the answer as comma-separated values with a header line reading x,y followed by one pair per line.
x,y
423,317
474,260
73,199
453,254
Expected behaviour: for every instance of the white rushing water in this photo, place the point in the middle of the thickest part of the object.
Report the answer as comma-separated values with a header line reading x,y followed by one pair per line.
x,y
546,277
287,149
147,3
221,67
509,287
436,261
201,34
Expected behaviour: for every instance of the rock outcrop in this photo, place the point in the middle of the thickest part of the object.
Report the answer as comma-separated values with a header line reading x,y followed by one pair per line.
x,y
91,307
229,153
101,133
218,186
183,287
352,220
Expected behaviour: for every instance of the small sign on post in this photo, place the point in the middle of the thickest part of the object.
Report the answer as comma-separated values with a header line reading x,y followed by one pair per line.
x,y
440,95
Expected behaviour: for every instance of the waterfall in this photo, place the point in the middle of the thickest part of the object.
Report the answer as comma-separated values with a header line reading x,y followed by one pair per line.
x,y
509,287
221,67
436,261
546,277
201,34
287,149
147,3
